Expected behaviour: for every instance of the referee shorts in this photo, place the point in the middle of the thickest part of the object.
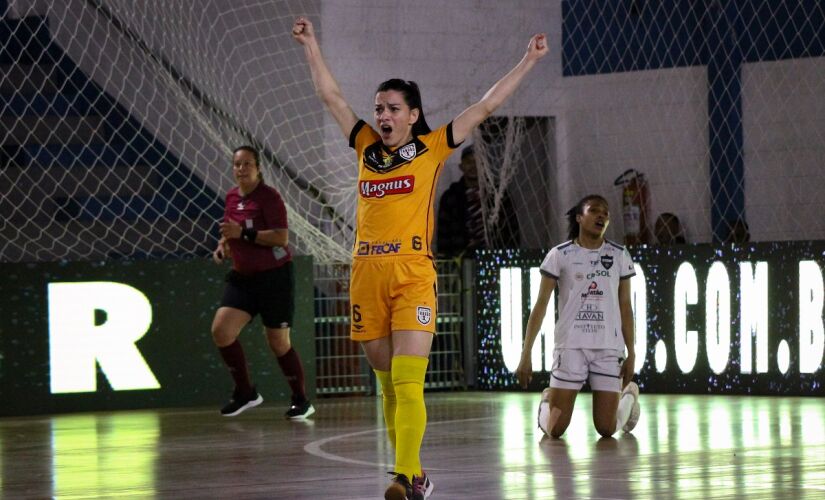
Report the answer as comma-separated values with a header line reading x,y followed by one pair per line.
x,y
269,293
392,293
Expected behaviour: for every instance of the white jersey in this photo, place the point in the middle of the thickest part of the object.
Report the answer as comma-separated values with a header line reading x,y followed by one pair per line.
x,y
588,288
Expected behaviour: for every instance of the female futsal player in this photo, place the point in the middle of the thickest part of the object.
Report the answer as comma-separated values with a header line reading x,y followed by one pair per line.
x,y
393,279
595,326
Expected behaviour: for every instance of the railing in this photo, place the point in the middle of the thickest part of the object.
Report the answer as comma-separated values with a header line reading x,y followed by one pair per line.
x,y
341,366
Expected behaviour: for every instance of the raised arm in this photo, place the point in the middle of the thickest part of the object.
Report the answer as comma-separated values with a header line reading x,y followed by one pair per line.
x,y
325,85
469,119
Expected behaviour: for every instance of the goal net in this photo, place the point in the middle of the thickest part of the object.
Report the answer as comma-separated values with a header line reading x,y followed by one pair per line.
x,y
119,118
705,112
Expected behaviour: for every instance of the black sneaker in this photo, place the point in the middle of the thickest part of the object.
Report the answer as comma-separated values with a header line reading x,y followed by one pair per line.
x,y
239,403
399,489
422,487
299,410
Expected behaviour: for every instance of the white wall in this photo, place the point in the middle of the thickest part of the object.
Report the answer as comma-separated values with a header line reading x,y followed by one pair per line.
x,y
651,121
784,131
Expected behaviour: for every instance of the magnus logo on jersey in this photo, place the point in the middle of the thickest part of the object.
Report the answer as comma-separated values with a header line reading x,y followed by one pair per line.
x,y
379,189
607,261
408,152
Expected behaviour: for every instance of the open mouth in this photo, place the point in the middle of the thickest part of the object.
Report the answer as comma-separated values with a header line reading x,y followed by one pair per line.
x,y
386,130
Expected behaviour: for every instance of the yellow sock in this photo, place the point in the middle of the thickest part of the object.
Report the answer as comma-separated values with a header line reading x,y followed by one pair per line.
x,y
410,415
388,392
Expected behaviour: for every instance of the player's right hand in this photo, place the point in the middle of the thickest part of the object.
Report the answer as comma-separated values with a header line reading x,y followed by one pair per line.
x,y
218,255
524,372
221,252
302,30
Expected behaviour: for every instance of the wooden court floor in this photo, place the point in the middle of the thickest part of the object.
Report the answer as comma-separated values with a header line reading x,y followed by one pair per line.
x,y
478,446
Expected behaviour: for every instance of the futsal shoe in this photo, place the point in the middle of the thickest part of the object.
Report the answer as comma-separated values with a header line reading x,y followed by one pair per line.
x,y
632,390
544,412
241,402
399,489
299,410
422,487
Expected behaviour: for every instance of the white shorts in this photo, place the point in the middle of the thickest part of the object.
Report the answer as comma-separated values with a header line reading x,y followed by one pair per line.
x,y
573,367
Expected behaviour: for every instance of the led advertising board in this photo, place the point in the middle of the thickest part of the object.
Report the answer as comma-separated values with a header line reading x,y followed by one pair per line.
x,y
708,319
123,335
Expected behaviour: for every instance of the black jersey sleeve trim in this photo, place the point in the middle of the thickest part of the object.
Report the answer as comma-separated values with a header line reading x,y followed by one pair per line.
x,y
627,277
450,141
354,132
549,275
614,244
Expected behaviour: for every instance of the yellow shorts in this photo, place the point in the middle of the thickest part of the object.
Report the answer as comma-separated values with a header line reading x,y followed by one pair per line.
x,y
393,293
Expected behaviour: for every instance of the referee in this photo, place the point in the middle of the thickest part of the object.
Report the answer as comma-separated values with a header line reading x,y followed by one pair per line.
x,y
255,234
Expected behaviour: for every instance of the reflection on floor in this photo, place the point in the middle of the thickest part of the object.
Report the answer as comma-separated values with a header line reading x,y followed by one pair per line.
x,y
478,445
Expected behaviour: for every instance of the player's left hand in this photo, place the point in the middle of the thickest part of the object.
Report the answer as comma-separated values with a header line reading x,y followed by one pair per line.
x,y
222,252
537,48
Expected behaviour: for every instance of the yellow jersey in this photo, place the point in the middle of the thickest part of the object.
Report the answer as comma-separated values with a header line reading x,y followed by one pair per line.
x,y
396,191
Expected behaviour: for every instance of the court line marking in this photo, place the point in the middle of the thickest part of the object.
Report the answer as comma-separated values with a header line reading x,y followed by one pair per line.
x,y
314,447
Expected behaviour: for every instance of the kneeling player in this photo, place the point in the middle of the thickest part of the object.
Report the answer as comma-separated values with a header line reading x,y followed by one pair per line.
x,y
594,333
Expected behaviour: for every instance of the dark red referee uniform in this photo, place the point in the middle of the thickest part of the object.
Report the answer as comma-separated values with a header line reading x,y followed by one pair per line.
x,y
261,209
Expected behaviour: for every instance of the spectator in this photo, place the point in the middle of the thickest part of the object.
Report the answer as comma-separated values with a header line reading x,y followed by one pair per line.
x,y
739,233
460,228
668,230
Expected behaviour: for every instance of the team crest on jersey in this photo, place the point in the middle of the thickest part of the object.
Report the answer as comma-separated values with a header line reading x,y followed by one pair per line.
x,y
607,261
425,315
378,158
408,151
